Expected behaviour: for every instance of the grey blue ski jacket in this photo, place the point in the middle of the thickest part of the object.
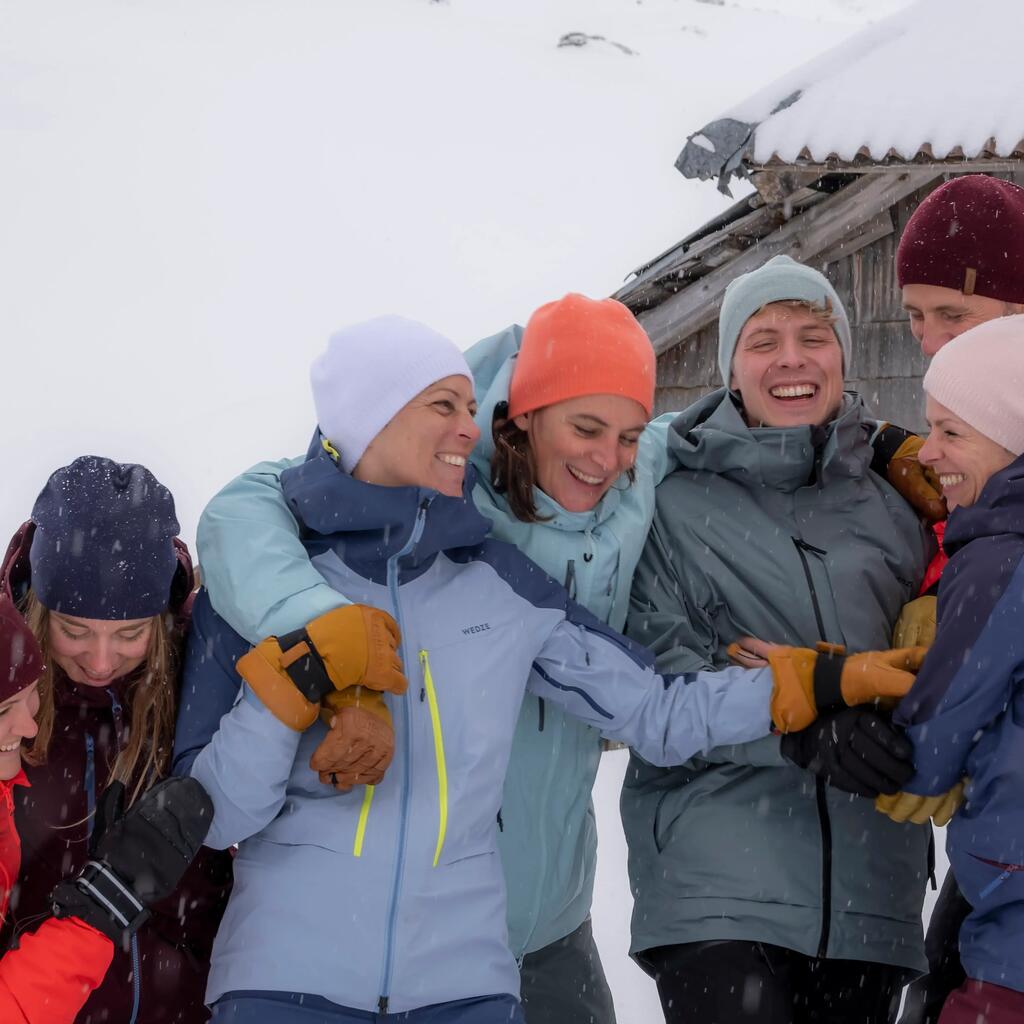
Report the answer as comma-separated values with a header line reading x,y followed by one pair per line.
x,y
782,534
390,898
965,715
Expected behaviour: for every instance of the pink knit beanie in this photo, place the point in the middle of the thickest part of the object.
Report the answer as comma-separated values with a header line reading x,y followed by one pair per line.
x,y
980,377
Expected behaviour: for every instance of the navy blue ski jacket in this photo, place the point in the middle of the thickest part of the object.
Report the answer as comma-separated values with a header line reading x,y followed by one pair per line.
x,y
965,714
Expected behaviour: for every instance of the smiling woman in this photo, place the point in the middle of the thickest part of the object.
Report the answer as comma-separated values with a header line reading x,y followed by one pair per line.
x,y
965,713
105,587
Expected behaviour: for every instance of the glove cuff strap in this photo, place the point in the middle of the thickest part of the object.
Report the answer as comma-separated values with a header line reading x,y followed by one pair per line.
x,y
306,669
828,680
104,888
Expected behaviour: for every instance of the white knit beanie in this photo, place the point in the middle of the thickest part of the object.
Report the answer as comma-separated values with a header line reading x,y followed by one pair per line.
x,y
979,376
370,371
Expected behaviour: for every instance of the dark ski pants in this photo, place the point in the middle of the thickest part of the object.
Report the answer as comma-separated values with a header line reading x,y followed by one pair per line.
x,y
735,982
564,983
927,995
297,1008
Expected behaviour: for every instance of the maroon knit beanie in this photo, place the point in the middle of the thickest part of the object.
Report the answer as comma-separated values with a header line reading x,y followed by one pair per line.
x,y
21,663
967,235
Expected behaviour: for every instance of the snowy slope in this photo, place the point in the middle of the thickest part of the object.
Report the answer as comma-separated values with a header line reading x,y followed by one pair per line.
x,y
195,195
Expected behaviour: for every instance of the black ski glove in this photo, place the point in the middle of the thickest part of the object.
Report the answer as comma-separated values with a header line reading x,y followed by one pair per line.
x,y
136,858
856,749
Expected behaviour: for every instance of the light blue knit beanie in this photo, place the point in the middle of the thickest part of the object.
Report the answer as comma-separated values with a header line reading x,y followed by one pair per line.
x,y
780,279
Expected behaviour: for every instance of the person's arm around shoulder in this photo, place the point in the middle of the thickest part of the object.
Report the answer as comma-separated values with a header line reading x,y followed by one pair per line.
x,y
254,565
47,978
246,763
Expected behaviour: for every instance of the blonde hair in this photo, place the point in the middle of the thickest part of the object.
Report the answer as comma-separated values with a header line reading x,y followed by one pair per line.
x,y
150,699
822,310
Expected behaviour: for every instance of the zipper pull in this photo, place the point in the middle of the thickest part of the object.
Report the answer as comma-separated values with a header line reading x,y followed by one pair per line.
x,y
423,670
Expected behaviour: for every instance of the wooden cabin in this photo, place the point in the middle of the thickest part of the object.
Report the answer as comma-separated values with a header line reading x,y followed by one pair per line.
x,y
837,171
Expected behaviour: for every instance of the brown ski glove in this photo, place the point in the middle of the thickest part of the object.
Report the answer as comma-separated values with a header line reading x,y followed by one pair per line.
x,y
896,459
810,682
349,646
358,749
918,809
916,625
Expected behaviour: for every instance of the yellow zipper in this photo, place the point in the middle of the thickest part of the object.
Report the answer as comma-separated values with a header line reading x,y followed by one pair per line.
x,y
442,772
364,813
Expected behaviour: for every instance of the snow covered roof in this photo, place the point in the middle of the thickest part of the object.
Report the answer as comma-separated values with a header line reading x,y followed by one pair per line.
x,y
939,81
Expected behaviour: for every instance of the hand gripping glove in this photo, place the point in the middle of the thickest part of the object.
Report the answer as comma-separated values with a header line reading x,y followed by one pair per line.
x,y
896,459
916,625
136,857
361,742
918,809
808,683
857,750
351,646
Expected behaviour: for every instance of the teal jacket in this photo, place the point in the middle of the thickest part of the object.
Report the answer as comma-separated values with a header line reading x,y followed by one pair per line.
x,y
782,534
548,839
261,582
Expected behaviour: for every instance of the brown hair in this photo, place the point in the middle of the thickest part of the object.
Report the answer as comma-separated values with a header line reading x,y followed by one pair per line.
x,y
512,469
150,697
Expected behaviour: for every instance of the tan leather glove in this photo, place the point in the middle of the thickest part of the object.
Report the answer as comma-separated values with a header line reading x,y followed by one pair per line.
x,y
916,625
917,484
349,646
360,745
807,682
918,809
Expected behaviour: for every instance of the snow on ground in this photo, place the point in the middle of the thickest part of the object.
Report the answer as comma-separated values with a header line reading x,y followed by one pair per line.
x,y
196,195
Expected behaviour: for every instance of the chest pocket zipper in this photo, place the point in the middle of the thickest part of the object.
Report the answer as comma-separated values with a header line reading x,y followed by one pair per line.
x,y
442,771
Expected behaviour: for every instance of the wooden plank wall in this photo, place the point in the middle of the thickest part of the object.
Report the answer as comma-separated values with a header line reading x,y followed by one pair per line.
x,y
887,363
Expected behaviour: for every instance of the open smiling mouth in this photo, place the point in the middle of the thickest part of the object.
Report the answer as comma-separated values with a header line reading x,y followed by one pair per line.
x,y
793,392
458,461
590,481
950,479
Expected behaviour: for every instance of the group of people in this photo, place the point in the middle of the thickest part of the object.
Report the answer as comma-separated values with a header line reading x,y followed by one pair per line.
x,y
350,778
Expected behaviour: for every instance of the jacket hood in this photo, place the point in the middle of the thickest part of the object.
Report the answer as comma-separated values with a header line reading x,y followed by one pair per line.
x,y
998,510
712,436
16,572
492,361
367,524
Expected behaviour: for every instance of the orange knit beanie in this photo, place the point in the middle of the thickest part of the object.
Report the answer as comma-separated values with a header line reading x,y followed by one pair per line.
x,y
579,346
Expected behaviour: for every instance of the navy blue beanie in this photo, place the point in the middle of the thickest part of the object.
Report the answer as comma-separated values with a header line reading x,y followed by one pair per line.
x,y
103,546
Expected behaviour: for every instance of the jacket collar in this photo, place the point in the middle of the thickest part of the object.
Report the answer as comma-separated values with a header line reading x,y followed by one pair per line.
x,y
998,510
366,525
711,435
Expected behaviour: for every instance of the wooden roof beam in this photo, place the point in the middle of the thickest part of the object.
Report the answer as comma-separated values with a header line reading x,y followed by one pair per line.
x,y
804,237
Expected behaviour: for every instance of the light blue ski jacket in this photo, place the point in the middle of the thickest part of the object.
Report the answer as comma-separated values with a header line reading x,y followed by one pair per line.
x,y
390,898
261,581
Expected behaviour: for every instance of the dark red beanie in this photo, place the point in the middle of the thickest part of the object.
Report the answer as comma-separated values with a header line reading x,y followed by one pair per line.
x,y
21,663
967,235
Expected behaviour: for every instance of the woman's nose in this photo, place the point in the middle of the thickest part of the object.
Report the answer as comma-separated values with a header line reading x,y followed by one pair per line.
x,y
469,429
26,726
928,452
100,658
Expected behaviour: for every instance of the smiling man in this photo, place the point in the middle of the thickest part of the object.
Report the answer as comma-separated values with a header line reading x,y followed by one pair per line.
x,y
960,261
761,893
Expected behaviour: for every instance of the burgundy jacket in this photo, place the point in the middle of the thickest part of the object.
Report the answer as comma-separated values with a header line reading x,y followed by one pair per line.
x,y
53,820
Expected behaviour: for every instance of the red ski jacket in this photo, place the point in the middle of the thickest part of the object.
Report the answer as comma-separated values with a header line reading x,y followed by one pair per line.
x,y
47,979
